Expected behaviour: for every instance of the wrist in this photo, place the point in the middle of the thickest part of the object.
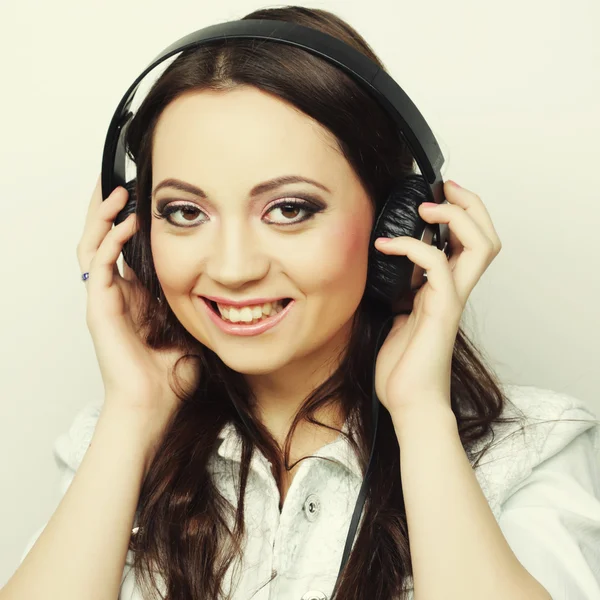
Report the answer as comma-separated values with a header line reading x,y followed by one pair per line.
x,y
140,429
425,415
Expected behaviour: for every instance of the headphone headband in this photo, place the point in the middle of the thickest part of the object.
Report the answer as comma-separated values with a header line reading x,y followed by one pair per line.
x,y
411,124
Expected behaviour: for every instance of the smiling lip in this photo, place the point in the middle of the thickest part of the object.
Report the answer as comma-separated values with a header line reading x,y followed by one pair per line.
x,y
245,329
241,304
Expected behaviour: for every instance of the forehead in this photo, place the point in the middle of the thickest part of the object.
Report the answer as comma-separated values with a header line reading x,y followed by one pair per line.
x,y
242,131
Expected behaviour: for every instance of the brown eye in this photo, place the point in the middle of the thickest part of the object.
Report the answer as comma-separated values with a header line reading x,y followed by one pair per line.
x,y
289,212
190,211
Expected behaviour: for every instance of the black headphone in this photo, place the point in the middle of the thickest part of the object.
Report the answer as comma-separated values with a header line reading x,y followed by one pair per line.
x,y
388,277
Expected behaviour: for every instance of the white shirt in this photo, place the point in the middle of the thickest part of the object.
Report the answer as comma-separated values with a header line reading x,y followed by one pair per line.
x,y
543,487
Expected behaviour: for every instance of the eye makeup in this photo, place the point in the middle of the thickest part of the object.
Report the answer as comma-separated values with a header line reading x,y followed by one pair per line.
x,y
309,205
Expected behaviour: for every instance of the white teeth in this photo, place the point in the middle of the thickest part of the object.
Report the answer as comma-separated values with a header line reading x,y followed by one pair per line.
x,y
249,314
246,314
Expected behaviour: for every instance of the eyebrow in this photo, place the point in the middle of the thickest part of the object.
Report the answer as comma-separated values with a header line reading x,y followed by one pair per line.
x,y
261,188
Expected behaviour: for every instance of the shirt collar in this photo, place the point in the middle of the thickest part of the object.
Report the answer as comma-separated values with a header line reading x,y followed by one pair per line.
x,y
339,450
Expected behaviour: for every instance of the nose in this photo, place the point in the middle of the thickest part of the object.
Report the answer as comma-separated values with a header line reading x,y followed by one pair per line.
x,y
237,257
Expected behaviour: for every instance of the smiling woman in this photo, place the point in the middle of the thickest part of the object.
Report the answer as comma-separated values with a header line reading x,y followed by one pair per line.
x,y
261,171
241,240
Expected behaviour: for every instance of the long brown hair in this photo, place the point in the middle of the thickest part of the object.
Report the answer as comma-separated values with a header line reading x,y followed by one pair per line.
x,y
183,519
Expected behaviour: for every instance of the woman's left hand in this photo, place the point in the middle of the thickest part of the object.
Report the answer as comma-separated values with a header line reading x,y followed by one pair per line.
x,y
413,366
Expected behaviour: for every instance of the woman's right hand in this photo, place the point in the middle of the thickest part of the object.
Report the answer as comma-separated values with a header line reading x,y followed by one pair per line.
x,y
135,376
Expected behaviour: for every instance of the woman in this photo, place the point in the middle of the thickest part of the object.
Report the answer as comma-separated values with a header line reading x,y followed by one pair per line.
x,y
253,294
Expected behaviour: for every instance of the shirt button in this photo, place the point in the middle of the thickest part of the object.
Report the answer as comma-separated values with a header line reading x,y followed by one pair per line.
x,y
311,508
314,595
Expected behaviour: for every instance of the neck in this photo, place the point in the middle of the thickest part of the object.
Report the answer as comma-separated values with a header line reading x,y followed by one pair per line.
x,y
279,395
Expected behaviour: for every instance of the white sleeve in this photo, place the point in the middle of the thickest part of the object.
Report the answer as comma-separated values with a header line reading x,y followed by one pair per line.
x,y
552,523
69,449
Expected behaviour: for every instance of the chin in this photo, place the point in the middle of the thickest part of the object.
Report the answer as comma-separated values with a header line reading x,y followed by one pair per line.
x,y
237,356
258,365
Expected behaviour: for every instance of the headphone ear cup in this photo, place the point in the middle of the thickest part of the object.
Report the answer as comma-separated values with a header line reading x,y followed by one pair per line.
x,y
389,277
128,209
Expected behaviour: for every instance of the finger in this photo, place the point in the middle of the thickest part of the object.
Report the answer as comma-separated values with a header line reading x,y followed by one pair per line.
x,y
477,250
129,273
430,258
94,203
103,265
475,207
96,198
98,223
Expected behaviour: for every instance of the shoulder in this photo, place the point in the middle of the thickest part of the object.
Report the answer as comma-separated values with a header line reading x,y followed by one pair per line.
x,y
68,449
538,402
541,429
550,504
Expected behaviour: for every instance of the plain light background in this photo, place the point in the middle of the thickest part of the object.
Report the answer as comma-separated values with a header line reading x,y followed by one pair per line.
x,y
512,93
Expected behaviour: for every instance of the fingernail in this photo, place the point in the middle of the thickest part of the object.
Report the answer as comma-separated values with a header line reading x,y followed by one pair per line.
x,y
454,183
429,204
382,240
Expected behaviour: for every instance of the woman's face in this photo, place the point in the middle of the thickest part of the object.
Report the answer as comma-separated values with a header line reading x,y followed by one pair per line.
x,y
232,242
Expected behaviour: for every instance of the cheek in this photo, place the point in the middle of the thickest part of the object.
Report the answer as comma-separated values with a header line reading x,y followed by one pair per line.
x,y
170,264
340,257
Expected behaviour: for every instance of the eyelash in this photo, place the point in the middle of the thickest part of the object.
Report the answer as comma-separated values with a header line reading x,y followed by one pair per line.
x,y
305,205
